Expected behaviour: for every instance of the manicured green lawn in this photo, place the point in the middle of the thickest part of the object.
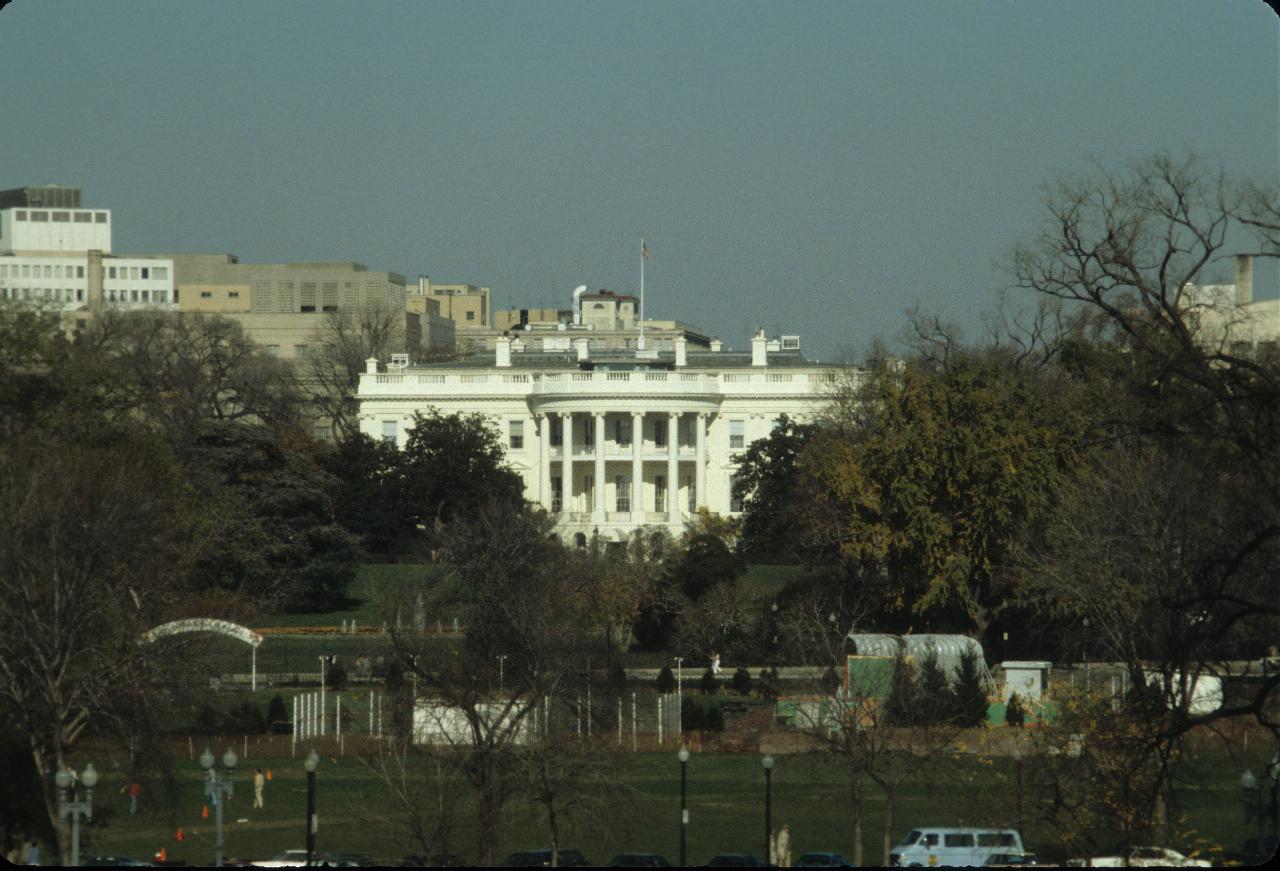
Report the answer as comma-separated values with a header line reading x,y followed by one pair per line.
x,y
364,594
725,795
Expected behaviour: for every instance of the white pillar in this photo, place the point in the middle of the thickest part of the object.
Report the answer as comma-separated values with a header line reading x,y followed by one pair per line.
x,y
700,473
566,460
673,468
544,460
637,465
597,515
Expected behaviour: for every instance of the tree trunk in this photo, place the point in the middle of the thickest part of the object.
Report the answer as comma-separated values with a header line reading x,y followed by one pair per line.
x,y
855,798
887,838
553,828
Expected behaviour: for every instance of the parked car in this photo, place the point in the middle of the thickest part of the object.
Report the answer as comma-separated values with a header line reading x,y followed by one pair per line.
x,y
735,860
115,862
350,860
1011,860
638,860
1141,857
291,859
442,860
542,859
1259,850
823,860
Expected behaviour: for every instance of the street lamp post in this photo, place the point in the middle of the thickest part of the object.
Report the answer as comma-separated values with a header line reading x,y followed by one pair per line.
x,y
217,790
767,762
323,662
683,756
1086,653
313,760
502,659
73,807
680,694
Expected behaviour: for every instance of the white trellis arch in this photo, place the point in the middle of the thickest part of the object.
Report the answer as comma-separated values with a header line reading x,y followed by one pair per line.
x,y
220,627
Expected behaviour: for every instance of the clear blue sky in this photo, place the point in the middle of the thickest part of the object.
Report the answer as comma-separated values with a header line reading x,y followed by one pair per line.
x,y
812,168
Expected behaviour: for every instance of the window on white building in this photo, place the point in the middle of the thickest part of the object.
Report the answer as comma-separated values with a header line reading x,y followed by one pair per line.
x,y
390,432
516,434
622,432
111,272
273,350
79,272
737,435
62,217
84,217
735,501
146,272
160,272
660,433
691,487
40,216
557,431
301,351
99,217
622,489
660,493
557,494
589,433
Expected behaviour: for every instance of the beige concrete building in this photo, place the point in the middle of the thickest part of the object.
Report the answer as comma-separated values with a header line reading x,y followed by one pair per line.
x,y
607,320
281,305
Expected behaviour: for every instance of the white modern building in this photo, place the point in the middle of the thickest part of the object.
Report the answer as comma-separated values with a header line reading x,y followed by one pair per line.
x,y
612,441
61,256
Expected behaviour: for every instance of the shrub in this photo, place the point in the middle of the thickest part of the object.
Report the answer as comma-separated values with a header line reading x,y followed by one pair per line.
x,y
336,677
709,683
713,718
768,683
830,680
1014,715
278,720
666,680
690,714
742,682
245,719
618,679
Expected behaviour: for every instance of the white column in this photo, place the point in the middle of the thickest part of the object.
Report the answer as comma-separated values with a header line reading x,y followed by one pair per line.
x,y
544,459
597,515
637,465
673,473
566,461
700,473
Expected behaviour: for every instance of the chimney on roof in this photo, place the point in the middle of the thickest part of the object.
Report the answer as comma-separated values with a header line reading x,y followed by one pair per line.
x,y
371,366
580,345
716,345
759,345
502,349
679,344
1244,279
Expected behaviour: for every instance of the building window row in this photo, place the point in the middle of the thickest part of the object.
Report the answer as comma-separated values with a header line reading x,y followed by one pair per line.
x,y
42,216
47,270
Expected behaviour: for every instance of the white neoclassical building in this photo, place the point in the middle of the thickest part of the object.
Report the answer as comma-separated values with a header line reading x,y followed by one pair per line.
x,y
611,441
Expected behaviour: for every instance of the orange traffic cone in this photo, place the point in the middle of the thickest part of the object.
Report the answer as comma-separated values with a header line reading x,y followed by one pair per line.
x,y
204,811
180,835
268,774
162,855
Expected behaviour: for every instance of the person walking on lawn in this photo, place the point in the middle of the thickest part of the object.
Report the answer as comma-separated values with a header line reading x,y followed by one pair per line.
x,y
259,783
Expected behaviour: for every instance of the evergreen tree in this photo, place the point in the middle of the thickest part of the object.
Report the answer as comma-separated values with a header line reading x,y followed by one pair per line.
x,y
709,683
830,681
713,718
970,694
690,714
937,702
278,721
901,707
742,682
666,680
1014,715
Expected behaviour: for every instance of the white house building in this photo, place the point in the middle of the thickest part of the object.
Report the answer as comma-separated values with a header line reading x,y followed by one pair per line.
x,y
612,441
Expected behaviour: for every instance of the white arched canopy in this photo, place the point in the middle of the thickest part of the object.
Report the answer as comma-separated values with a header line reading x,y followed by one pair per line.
x,y
218,627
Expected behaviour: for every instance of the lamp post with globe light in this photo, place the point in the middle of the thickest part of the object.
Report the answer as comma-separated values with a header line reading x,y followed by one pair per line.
x,y
313,760
218,790
767,762
683,756
72,806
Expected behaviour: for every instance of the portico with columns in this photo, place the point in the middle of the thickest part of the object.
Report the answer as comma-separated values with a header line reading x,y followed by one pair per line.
x,y
617,442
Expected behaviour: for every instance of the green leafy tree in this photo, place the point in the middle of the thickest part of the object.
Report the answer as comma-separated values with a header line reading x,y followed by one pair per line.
x,y
369,494
769,487
705,562
935,475
455,466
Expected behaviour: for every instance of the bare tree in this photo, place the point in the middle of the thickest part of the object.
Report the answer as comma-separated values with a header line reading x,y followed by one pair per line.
x,y
426,792
94,549
343,342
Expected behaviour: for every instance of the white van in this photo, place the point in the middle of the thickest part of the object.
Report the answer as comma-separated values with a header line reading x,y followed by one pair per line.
x,y
937,845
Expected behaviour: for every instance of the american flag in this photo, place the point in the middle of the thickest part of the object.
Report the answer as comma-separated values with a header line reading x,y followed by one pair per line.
x,y
644,250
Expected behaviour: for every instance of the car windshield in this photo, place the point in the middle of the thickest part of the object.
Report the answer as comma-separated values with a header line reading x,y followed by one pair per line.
x,y
911,838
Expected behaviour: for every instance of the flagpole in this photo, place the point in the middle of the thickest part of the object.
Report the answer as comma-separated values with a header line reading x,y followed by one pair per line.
x,y
640,342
